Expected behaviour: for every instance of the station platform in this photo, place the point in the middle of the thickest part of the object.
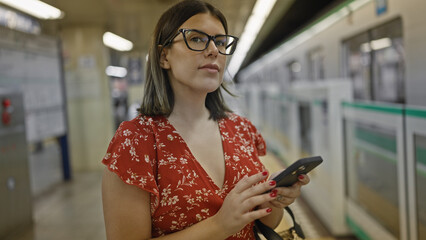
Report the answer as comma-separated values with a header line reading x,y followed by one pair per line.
x,y
73,210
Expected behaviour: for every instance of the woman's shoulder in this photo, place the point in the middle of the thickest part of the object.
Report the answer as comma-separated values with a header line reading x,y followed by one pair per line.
x,y
136,124
237,119
140,125
240,122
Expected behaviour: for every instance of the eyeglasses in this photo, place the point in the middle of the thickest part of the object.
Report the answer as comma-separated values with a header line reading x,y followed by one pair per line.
x,y
199,41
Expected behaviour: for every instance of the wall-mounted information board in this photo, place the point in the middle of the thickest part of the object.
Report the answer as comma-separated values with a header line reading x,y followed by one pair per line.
x,y
32,64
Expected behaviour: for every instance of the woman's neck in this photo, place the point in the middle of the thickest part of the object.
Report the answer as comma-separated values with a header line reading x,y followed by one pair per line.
x,y
189,110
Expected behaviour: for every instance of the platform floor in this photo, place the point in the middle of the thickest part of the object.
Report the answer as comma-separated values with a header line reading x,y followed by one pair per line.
x,y
73,211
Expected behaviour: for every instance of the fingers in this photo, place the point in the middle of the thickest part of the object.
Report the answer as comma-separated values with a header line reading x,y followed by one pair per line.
x,y
287,195
303,179
256,214
248,183
289,192
282,201
250,193
284,197
238,208
249,203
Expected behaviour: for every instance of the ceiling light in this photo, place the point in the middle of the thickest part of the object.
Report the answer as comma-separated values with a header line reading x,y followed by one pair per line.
x,y
113,71
376,44
35,8
116,42
381,43
365,47
255,22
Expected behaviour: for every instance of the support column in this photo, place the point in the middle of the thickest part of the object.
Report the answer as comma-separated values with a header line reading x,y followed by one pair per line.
x,y
89,105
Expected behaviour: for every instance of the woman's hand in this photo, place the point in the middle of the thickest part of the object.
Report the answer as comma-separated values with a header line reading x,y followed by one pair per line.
x,y
238,208
286,195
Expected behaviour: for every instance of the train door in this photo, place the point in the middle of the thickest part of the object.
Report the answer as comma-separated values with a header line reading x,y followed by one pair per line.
x,y
416,170
375,170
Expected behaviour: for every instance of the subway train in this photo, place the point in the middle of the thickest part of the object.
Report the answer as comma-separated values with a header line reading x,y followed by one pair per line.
x,y
351,87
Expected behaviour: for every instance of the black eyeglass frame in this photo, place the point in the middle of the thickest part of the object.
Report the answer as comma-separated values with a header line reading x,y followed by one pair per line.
x,y
183,30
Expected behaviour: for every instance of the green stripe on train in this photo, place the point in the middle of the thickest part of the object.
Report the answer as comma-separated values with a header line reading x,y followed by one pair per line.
x,y
358,231
374,107
378,154
421,157
421,172
385,142
415,112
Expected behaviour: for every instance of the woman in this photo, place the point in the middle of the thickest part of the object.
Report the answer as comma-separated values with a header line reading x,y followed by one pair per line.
x,y
186,167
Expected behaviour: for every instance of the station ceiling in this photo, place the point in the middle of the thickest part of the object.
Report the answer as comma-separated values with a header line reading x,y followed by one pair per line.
x,y
135,19
287,18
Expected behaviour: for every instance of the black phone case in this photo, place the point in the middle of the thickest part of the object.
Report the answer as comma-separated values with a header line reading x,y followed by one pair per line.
x,y
302,166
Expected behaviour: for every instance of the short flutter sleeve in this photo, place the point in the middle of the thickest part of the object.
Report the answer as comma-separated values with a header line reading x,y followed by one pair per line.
x,y
132,155
257,138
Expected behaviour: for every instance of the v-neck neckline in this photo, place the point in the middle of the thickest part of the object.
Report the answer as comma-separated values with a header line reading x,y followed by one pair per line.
x,y
197,163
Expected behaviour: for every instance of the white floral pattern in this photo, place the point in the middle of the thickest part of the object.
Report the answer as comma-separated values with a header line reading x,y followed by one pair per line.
x,y
149,153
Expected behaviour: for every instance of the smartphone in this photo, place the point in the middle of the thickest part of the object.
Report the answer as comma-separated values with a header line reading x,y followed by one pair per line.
x,y
289,176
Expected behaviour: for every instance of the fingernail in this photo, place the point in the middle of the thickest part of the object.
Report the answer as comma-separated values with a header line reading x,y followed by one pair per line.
x,y
274,191
272,183
273,194
265,173
269,210
301,177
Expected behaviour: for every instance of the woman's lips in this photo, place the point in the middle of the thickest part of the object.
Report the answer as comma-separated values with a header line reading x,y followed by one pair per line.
x,y
213,68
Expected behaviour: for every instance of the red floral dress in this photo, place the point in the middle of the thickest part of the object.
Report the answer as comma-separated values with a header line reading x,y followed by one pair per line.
x,y
149,153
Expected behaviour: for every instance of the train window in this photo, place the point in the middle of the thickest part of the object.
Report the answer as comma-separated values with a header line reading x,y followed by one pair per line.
x,y
285,118
294,68
316,64
264,104
247,98
388,62
357,66
374,60
305,128
420,158
371,172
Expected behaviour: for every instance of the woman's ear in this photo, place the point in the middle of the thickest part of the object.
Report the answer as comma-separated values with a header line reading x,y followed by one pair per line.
x,y
164,63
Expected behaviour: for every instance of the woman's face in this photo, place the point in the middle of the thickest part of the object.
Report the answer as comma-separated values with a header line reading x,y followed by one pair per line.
x,y
191,71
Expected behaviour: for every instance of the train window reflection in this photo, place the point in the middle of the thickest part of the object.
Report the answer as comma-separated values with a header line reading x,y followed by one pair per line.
x,y
357,66
388,62
375,62
316,58
305,128
372,172
294,70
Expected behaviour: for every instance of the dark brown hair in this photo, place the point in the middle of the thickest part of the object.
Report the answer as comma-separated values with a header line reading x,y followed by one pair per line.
x,y
158,96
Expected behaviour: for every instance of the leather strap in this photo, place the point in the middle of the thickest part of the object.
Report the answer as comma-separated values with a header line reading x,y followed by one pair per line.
x,y
270,234
296,226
